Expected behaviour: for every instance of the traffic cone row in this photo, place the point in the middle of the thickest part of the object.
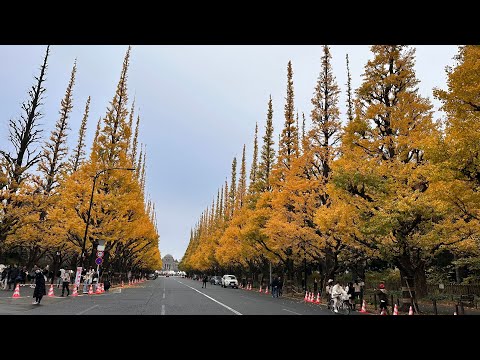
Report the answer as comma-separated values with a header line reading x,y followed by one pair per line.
x,y
16,293
395,310
306,297
50,291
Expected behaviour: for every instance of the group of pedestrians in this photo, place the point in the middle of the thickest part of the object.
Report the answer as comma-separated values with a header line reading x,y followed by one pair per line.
x,y
338,293
277,287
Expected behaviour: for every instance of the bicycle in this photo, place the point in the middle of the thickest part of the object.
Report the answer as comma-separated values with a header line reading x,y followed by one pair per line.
x,y
343,307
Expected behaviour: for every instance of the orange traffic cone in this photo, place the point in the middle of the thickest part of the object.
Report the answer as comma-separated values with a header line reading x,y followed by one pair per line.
x,y
266,290
395,310
90,291
260,290
306,296
384,312
410,311
98,289
318,298
103,289
122,284
454,313
364,307
75,292
16,293
50,291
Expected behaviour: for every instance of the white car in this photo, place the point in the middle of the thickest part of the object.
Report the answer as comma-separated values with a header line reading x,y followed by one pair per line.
x,y
229,280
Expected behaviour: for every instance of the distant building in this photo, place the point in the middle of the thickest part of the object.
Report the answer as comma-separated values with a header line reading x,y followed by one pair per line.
x,y
169,263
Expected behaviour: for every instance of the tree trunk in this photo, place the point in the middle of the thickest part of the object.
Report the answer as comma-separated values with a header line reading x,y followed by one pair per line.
x,y
413,280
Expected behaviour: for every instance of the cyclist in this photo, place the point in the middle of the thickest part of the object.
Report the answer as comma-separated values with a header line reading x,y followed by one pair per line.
x,y
337,293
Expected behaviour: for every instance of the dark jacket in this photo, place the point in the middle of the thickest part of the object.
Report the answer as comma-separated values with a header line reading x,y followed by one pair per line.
x,y
275,283
39,285
382,295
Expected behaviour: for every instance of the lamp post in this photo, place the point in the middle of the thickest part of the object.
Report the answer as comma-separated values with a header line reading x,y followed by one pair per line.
x,y
90,207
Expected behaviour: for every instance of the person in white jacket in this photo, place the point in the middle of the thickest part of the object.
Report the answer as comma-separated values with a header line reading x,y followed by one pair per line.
x,y
337,292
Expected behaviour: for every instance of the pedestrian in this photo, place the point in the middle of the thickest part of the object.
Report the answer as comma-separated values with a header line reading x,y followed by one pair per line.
x,y
280,286
205,279
60,277
4,276
13,277
351,295
39,287
275,285
315,285
358,286
328,291
65,282
383,297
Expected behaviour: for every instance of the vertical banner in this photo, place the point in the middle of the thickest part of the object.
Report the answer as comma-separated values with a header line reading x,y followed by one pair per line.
x,y
78,276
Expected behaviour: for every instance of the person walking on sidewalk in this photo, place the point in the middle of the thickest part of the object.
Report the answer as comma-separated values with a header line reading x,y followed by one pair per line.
x,y
39,287
65,282
205,279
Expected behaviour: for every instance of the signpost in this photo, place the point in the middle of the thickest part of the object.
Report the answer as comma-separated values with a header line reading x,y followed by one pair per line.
x,y
99,254
99,261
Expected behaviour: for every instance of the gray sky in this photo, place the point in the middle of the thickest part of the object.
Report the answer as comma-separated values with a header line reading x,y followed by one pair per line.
x,y
198,106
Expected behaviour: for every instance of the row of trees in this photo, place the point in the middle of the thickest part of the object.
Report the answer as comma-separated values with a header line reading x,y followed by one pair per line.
x,y
45,188
383,182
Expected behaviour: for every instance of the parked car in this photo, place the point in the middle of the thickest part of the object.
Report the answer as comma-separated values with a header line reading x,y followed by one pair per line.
x,y
216,280
229,280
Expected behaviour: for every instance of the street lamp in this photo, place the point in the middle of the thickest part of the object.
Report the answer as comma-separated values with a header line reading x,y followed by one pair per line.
x,y
90,207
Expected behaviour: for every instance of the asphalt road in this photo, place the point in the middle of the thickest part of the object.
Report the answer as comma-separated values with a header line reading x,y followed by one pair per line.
x,y
163,296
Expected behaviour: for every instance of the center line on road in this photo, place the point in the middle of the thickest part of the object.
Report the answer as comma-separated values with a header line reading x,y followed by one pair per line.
x,y
163,310
164,295
84,311
218,302
292,311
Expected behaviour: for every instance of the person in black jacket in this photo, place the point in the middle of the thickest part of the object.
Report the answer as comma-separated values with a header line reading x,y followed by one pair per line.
x,y
382,296
39,287
205,280
275,286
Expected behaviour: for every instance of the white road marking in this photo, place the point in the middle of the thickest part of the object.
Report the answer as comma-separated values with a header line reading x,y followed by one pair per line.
x,y
84,311
164,295
163,310
292,311
218,302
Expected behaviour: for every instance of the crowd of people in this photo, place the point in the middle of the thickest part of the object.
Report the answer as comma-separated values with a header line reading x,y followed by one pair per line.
x,y
351,292
12,275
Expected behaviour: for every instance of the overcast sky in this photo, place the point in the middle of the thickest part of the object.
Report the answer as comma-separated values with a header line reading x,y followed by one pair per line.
x,y
198,106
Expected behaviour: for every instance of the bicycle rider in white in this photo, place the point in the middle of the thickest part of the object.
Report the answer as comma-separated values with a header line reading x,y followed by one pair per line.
x,y
338,292
328,290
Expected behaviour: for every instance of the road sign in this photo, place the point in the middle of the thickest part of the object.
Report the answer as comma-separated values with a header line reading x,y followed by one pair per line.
x,y
99,261
99,254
